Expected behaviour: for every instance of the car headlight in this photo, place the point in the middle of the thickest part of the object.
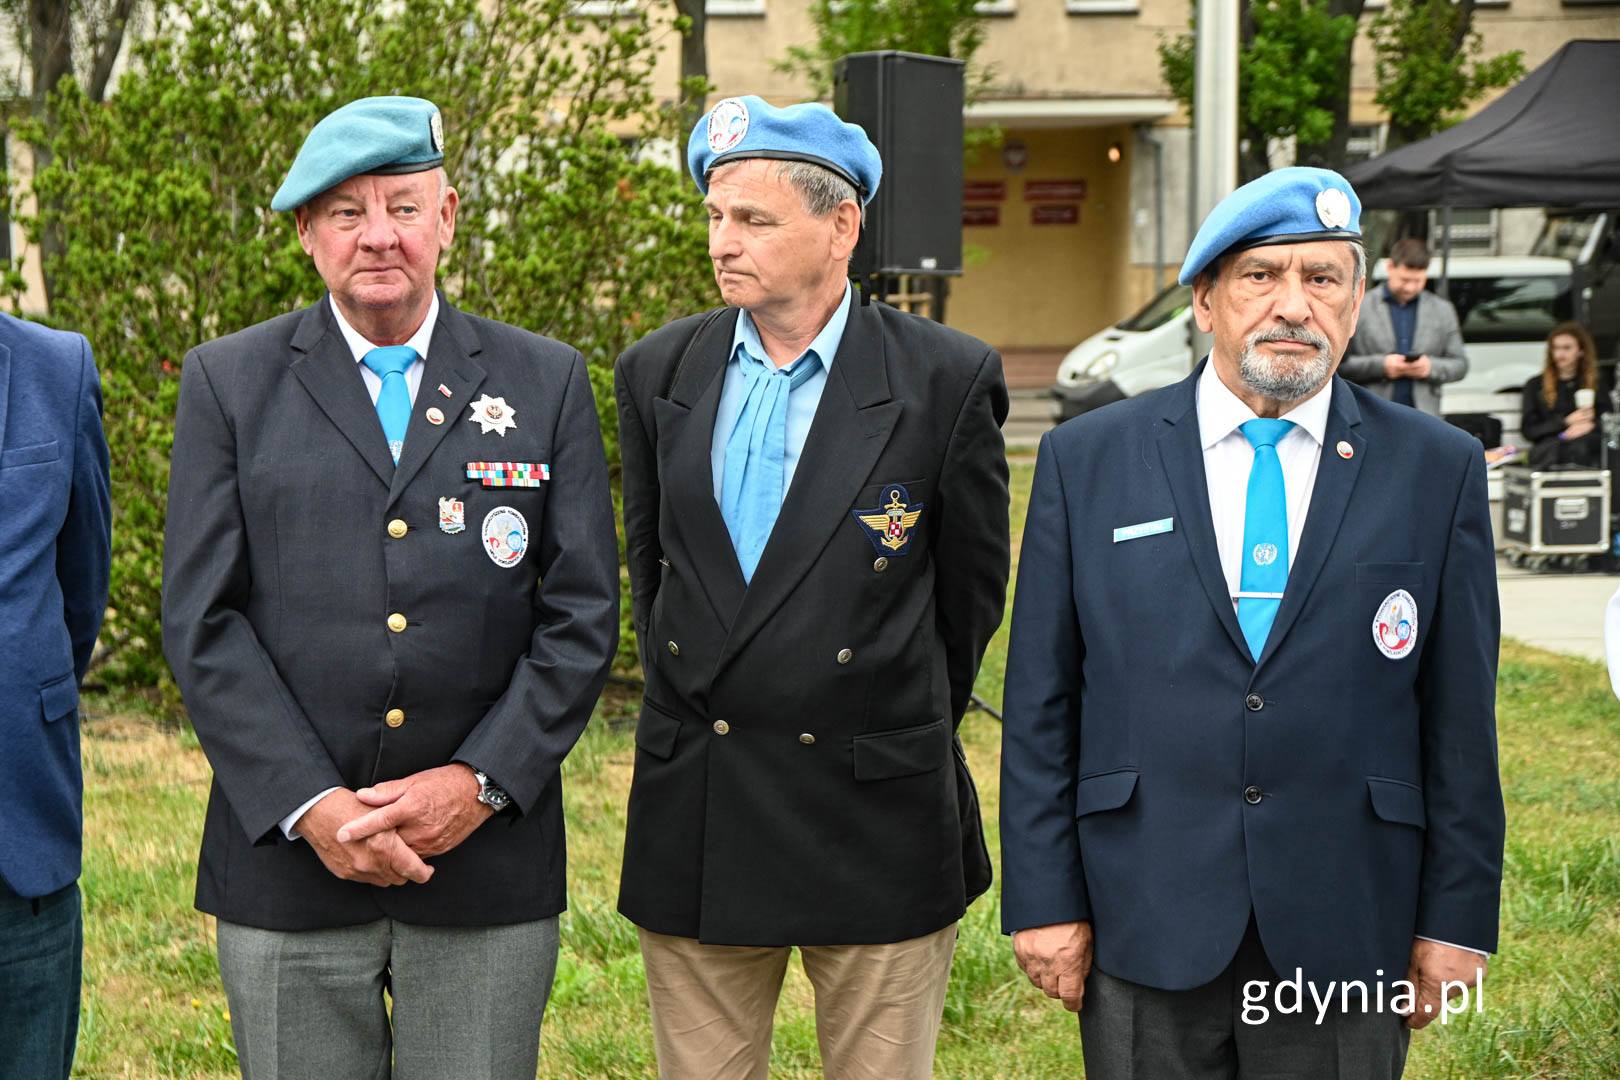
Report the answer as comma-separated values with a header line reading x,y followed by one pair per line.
x,y
1102,365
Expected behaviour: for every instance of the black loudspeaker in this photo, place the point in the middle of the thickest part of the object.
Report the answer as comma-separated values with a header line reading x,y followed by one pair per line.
x,y
911,108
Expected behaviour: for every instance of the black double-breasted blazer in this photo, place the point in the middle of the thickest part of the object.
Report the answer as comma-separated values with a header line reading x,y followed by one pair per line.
x,y
797,776
293,539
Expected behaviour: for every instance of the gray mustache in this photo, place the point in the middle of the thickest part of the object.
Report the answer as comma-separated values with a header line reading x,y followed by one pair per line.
x,y
1297,334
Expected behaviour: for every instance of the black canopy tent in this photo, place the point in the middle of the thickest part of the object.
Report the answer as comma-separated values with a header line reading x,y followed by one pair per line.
x,y
1553,140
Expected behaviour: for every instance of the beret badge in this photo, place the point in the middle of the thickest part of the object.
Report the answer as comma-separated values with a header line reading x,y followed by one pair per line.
x,y
1333,208
728,123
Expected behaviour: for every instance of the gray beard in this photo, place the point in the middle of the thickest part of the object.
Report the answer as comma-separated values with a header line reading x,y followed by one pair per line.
x,y
1266,375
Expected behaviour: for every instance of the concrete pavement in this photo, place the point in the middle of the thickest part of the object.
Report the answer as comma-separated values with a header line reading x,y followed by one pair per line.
x,y
1561,612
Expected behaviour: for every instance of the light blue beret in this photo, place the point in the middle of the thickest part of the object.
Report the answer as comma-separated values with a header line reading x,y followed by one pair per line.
x,y
749,127
1295,205
380,136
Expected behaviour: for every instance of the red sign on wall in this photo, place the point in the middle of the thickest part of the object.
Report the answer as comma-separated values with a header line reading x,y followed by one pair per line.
x,y
984,190
981,215
1054,190
1068,214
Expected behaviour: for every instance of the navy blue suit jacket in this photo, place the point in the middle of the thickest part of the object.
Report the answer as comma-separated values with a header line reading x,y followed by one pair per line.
x,y
1137,723
55,552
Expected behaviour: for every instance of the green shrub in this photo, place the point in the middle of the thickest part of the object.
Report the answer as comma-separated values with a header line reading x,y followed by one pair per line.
x,y
568,226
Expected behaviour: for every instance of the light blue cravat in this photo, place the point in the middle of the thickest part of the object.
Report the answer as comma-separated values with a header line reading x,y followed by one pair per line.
x,y
1265,534
751,486
394,399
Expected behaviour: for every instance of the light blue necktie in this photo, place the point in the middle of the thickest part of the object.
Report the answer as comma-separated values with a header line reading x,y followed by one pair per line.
x,y
394,399
1265,535
751,486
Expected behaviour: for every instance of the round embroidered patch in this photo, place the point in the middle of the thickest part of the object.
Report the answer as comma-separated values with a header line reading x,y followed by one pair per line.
x,y
506,536
1395,625
728,123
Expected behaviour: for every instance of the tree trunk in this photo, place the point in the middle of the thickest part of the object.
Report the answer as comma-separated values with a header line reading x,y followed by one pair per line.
x,y
694,60
1330,154
108,47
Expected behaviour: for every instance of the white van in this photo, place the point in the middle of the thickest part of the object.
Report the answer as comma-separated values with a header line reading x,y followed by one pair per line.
x,y
1506,305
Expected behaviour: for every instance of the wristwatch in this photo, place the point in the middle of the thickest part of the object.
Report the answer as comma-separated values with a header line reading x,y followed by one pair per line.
x,y
491,795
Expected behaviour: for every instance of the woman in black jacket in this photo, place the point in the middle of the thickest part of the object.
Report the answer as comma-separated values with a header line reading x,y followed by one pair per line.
x,y
1560,432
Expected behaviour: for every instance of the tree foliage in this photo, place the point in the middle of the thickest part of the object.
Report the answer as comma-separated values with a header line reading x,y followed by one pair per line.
x,y
162,196
952,28
1288,72
1427,57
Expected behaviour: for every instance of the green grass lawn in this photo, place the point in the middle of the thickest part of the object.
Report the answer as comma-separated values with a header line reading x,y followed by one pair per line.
x,y
153,1005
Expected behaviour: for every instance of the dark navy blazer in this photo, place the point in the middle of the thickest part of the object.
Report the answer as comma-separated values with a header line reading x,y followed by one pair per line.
x,y
1159,782
55,551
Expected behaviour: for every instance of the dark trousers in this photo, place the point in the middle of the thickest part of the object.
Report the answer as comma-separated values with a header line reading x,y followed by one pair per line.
x,y
1213,1032
41,942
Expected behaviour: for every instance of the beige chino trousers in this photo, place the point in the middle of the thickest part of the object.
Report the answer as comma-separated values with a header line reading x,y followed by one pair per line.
x,y
878,1007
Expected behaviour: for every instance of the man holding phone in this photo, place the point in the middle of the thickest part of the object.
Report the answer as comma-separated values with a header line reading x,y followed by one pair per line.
x,y
1407,340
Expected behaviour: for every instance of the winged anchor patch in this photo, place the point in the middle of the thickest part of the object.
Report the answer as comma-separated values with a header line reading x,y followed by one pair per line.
x,y
889,526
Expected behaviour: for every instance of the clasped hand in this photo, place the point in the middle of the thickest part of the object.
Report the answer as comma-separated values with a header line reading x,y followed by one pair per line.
x,y
380,835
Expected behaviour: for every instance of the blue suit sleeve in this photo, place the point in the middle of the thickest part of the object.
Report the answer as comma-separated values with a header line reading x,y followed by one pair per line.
x,y
1460,890
84,545
1042,878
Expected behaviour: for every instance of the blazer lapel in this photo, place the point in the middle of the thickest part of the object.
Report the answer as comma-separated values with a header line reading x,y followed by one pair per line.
x,y
449,364
685,424
852,425
1335,480
5,389
326,367
1181,450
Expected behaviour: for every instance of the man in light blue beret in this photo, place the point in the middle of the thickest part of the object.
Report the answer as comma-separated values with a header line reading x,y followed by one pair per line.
x,y
815,510
387,640
1250,813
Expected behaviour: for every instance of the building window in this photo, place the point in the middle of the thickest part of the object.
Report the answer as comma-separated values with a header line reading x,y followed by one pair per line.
x,y
1364,141
996,7
605,9
1473,232
1380,5
734,7
1102,7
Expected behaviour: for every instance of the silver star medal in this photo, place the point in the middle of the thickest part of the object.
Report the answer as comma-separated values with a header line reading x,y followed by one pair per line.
x,y
493,414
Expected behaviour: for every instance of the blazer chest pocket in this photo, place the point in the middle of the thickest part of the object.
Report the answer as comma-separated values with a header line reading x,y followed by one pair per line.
x,y
37,454
885,755
657,731
1408,575
1103,791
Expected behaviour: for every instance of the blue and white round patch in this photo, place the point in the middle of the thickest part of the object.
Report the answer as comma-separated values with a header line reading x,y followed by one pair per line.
x,y
506,536
1395,625
728,123
1265,554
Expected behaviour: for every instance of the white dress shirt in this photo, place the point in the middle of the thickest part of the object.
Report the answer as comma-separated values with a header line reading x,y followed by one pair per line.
x,y
418,341
1228,458
413,379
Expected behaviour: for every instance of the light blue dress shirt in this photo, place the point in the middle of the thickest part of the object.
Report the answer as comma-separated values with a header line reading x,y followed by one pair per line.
x,y
801,405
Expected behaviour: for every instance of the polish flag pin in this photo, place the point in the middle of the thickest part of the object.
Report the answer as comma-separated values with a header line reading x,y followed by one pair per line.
x,y
443,389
